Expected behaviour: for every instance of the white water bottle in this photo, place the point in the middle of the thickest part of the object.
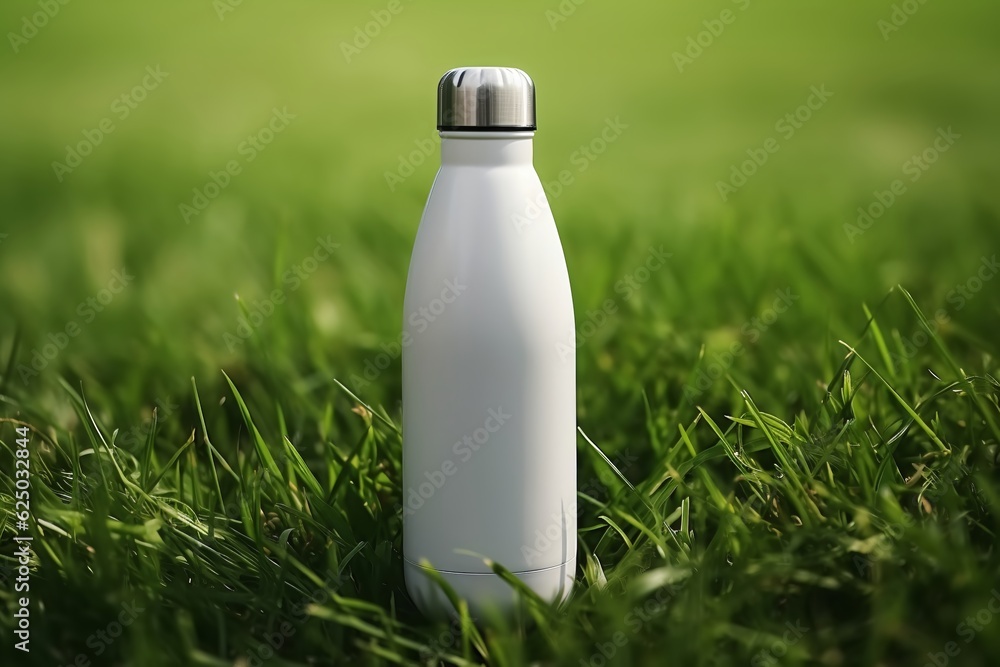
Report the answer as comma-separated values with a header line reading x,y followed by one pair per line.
x,y
489,362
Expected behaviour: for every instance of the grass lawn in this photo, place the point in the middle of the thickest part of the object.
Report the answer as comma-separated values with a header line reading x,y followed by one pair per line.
x,y
789,434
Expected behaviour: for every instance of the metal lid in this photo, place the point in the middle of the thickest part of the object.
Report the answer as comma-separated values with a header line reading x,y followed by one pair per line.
x,y
486,98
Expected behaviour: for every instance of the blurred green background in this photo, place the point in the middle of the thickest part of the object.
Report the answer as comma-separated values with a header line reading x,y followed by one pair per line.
x,y
228,65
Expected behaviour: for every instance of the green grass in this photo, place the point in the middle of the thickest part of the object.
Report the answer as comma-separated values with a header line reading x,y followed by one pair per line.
x,y
786,434
864,514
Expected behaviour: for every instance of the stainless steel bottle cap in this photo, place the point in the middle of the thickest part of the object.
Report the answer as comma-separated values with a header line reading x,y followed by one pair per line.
x,y
486,98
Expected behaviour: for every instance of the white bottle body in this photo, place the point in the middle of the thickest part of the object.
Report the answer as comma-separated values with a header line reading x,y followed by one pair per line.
x,y
489,382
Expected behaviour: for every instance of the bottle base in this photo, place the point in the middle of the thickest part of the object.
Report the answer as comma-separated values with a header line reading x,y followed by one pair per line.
x,y
486,593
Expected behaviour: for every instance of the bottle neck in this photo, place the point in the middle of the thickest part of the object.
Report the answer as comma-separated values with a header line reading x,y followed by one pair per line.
x,y
486,149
